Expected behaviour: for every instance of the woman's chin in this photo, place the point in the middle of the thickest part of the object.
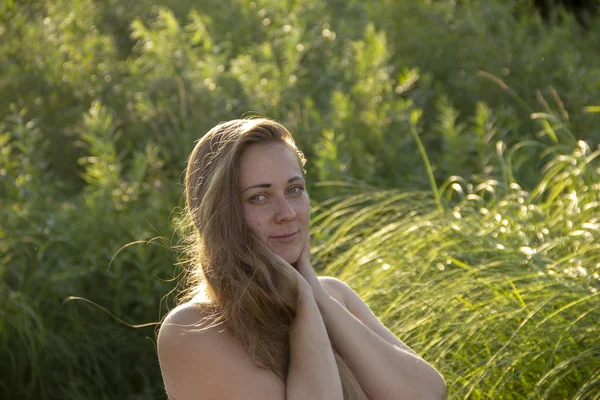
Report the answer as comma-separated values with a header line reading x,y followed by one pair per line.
x,y
291,257
289,252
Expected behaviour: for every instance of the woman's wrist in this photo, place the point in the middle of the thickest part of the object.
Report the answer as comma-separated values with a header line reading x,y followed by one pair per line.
x,y
320,294
305,292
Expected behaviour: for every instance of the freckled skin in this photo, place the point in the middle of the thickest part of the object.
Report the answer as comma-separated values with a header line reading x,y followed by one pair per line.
x,y
275,203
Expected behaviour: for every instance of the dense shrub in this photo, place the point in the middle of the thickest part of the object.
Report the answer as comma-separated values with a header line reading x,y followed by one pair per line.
x,y
492,273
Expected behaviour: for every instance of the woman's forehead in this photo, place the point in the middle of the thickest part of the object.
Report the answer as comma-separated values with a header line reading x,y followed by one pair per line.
x,y
268,162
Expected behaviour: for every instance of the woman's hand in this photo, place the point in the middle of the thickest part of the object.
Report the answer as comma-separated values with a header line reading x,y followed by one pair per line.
x,y
309,285
305,291
306,270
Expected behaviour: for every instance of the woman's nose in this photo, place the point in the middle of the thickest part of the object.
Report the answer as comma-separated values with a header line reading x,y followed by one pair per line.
x,y
284,211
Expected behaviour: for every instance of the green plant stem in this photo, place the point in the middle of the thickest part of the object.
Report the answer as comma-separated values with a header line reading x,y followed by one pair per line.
x,y
434,188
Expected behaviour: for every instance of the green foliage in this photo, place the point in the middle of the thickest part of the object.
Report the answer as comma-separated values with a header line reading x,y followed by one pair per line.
x,y
492,274
170,72
54,247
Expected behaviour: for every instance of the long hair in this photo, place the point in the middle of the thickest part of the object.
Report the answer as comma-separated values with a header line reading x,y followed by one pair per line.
x,y
248,290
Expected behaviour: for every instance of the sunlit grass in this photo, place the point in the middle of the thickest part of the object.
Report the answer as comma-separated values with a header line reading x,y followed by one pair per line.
x,y
499,290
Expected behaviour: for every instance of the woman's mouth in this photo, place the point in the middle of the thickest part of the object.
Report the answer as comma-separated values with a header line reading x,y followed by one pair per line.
x,y
286,238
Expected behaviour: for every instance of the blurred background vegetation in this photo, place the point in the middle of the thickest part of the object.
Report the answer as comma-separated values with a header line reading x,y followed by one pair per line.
x,y
452,151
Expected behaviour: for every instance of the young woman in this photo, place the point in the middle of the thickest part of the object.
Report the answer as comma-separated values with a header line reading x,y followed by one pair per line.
x,y
258,323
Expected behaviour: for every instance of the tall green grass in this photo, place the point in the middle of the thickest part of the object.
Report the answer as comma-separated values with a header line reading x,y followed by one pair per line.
x,y
498,289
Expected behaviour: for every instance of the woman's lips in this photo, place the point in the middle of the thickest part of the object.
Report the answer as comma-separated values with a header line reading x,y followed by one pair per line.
x,y
286,238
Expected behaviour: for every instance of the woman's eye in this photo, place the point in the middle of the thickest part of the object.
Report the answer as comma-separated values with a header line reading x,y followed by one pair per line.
x,y
296,190
257,198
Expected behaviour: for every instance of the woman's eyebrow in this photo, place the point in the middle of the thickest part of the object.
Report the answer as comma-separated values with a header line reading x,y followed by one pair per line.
x,y
268,185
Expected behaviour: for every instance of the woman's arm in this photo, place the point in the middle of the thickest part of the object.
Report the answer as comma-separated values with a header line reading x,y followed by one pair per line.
x,y
313,372
347,297
383,369
384,366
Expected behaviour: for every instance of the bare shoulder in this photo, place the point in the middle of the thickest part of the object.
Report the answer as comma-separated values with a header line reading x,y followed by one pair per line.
x,y
335,284
336,288
357,307
200,360
181,326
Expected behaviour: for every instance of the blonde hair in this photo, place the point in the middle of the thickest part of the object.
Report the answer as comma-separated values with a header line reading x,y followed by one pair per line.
x,y
248,290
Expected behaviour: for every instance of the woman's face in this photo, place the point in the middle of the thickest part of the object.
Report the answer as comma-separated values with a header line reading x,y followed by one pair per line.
x,y
274,199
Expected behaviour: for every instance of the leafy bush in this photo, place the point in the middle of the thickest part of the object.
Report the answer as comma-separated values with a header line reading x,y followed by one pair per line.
x,y
492,275
53,248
